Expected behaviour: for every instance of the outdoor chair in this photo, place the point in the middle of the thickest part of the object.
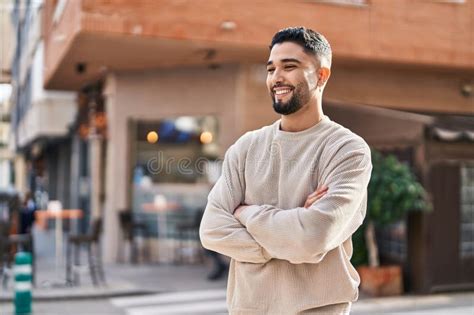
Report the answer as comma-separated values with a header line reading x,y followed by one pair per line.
x,y
91,242
130,228
187,233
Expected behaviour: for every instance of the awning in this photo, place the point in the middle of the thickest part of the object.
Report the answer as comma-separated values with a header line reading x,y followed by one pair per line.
x,y
452,129
388,128
380,127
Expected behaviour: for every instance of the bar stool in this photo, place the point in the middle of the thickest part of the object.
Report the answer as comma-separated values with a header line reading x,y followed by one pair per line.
x,y
130,227
92,243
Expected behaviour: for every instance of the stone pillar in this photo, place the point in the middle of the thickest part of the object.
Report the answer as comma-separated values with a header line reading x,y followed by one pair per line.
x,y
20,173
4,173
75,172
114,197
95,161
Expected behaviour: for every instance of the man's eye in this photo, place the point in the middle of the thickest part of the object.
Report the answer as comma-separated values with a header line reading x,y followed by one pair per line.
x,y
270,70
289,67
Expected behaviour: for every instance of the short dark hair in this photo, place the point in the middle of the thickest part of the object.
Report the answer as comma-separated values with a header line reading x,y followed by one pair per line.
x,y
311,41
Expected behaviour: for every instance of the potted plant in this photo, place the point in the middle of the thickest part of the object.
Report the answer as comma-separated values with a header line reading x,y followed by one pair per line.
x,y
393,191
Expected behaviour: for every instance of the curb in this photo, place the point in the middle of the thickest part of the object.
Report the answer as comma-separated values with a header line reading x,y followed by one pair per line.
x,y
48,294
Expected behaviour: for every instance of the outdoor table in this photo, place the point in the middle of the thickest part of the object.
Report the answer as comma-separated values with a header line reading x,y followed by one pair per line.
x,y
41,219
162,223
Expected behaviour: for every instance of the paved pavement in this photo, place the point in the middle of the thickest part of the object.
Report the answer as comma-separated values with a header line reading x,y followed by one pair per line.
x,y
122,279
213,302
459,303
167,289
184,302
184,290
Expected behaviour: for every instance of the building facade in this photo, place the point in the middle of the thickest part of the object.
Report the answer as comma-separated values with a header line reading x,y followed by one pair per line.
x,y
6,56
40,119
161,65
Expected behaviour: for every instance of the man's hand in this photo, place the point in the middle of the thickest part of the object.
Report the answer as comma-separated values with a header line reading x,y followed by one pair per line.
x,y
239,209
312,198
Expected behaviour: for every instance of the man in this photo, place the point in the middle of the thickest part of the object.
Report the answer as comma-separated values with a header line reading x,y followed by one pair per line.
x,y
291,194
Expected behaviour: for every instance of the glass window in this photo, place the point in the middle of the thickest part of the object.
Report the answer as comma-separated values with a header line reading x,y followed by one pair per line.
x,y
466,238
450,1
175,150
175,164
343,2
392,241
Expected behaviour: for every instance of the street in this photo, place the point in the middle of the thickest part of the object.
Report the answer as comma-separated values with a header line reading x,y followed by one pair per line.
x,y
213,302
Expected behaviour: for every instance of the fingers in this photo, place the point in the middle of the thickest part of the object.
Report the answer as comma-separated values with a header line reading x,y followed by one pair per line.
x,y
237,210
310,201
313,198
318,191
307,204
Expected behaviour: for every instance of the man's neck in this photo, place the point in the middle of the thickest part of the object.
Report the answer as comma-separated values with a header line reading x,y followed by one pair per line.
x,y
305,118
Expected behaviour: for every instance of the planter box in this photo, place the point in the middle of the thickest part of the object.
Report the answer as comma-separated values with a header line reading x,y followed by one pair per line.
x,y
381,281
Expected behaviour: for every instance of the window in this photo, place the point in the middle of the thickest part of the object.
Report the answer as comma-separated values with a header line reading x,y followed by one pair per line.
x,y
358,3
175,150
392,241
450,1
59,10
174,160
466,239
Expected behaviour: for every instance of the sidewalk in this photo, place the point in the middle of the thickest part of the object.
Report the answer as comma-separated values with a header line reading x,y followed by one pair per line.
x,y
126,280
131,280
452,303
122,280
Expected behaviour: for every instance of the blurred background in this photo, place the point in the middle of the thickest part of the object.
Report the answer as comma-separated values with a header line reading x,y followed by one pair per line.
x,y
115,116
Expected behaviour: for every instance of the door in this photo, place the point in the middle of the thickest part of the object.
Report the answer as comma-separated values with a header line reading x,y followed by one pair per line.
x,y
450,225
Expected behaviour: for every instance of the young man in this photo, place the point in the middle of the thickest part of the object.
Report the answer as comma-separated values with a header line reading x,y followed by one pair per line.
x,y
291,194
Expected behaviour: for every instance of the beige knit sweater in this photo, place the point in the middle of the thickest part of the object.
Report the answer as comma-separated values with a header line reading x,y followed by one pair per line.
x,y
285,258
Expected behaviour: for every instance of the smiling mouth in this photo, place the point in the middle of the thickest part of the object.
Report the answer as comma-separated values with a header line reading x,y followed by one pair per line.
x,y
281,91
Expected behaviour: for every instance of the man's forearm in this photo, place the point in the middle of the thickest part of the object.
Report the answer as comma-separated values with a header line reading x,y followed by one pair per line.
x,y
305,235
298,235
220,231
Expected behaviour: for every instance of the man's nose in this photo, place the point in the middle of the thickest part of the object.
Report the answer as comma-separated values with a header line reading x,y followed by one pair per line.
x,y
277,77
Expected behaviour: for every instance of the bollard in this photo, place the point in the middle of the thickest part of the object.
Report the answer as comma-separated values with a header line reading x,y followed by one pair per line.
x,y
23,276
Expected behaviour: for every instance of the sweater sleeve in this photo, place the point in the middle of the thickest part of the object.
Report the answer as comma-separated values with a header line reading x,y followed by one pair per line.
x,y
305,235
220,231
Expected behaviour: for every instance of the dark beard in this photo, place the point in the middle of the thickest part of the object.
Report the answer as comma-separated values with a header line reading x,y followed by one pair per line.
x,y
290,107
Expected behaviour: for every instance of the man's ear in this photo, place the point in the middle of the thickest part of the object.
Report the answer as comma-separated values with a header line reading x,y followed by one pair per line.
x,y
323,75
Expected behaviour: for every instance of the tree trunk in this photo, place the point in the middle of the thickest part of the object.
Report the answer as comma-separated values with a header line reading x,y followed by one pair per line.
x,y
371,242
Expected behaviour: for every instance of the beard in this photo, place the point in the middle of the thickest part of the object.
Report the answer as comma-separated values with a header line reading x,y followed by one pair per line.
x,y
294,104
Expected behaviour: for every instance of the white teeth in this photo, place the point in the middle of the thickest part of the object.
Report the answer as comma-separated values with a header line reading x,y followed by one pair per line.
x,y
279,92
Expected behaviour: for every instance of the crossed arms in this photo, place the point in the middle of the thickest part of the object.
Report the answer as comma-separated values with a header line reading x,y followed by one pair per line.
x,y
258,233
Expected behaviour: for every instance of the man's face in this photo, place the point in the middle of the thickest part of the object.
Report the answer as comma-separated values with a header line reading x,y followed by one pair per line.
x,y
291,77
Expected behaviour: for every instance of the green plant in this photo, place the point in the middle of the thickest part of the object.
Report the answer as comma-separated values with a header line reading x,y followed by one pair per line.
x,y
360,255
393,191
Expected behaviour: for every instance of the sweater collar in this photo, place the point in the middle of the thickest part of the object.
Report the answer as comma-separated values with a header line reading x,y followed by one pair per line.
x,y
298,134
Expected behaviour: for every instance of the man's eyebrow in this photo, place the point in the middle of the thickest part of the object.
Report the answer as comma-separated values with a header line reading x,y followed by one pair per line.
x,y
291,60
285,61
